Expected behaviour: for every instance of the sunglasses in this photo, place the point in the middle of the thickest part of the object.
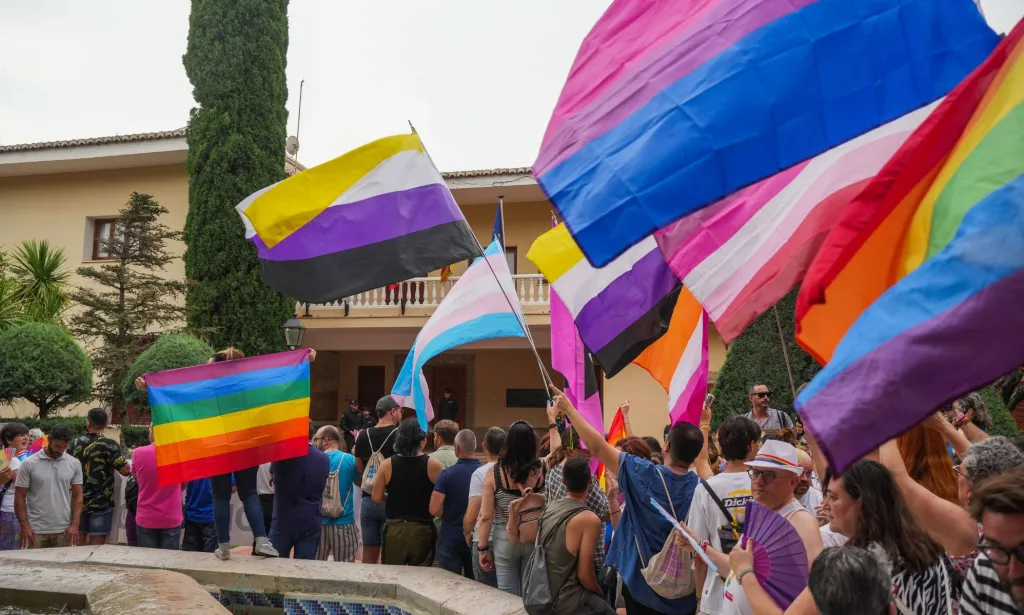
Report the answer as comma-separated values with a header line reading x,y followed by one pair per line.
x,y
1001,555
762,395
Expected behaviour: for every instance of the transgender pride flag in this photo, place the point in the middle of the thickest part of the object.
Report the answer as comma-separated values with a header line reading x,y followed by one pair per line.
x,y
476,308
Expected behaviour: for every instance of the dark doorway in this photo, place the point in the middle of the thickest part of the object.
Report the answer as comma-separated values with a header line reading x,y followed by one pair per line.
x,y
371,385
440,377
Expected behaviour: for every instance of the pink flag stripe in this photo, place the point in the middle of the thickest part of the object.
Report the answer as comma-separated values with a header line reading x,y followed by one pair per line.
x,y
690,380
727,258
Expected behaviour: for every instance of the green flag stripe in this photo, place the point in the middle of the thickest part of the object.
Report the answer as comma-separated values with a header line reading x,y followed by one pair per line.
x,y
233,402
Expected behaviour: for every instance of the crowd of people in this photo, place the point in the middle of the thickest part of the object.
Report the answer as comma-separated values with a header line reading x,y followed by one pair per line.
x,y
563,509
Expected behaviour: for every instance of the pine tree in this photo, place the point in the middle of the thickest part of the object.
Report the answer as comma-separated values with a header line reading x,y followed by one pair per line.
x,y
126,302
236,62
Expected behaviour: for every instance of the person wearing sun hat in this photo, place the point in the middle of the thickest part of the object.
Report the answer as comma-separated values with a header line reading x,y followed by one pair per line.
x,y
774,475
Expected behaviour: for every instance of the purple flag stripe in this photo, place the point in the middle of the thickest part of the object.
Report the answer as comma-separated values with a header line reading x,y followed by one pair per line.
x,y
625,300
376,219
903,372
212,371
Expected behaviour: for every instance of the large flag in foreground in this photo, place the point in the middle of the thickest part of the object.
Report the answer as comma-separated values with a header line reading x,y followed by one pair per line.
x,y
670,106
679,360
741,255
476,308
953,323
619,309
377,215
221,417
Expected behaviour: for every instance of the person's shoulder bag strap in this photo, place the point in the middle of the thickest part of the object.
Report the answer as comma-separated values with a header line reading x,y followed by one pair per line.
x,y
718,501
672,506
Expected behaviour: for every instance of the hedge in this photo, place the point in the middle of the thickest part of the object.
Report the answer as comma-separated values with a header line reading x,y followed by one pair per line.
x,y
131,436
170,351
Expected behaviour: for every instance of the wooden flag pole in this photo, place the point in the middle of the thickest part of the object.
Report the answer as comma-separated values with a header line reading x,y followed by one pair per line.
x,y
785,353
521,319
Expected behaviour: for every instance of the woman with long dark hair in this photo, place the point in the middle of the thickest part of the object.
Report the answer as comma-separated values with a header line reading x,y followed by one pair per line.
x,y
867,506
517,469
404,486
13,435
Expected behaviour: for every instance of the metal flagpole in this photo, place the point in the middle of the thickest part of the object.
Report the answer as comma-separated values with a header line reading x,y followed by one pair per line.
x,y
521,319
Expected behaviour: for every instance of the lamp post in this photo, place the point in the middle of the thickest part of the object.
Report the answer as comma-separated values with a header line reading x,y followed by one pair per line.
x,y
293,330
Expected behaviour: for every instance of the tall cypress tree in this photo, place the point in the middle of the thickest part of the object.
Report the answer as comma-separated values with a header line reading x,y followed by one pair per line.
x,y
236,62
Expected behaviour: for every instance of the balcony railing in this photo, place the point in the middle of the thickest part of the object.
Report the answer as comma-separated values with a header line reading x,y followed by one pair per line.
x,y
532,289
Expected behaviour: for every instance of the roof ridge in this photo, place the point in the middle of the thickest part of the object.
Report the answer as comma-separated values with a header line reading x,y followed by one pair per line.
x,y
177,133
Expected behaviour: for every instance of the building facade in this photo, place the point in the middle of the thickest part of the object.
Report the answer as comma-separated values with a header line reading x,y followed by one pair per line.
x,y
69,192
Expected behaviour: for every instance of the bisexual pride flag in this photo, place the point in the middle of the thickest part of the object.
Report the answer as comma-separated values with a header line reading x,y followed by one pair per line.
x,y
221,417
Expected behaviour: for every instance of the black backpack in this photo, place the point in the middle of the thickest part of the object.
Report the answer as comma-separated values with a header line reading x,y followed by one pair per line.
x,y
131,494
730,534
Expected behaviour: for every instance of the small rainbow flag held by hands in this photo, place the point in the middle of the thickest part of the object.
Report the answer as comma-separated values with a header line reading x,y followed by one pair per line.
x,y
5,458
222,417
616,432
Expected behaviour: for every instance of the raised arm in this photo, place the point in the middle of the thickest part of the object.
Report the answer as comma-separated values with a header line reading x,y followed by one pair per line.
x,y
703,464
948,524
554,438
625,419
594,440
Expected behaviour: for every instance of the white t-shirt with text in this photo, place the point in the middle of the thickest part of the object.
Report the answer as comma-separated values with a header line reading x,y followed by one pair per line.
x,y
733,488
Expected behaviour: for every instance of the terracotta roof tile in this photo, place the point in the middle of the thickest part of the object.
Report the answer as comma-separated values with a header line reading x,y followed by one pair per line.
x,y
485,172
141,136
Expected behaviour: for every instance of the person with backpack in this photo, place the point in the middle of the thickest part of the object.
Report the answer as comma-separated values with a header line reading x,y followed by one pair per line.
x,y
767,418
339,535
373,446
299,485
719,504
642,547
404,485
560,577
512,503
449,501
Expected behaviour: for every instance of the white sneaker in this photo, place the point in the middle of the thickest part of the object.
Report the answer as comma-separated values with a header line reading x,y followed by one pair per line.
x,y
223,551
264,548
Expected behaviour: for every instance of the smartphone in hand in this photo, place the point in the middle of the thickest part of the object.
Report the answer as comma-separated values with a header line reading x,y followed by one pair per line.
x,y
709,400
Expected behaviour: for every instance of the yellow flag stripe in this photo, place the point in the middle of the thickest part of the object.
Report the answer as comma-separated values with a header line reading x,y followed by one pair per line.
x,y
287,206
169,433
554,253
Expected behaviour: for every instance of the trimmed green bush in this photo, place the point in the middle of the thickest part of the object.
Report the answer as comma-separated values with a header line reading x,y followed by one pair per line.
x,y
1002,421
170,351
132,436
235,60
43,364
756,357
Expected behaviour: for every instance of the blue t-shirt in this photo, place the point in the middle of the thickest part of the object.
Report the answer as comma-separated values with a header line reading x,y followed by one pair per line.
x,y
454,484
298,490
347,463
643,528
199,501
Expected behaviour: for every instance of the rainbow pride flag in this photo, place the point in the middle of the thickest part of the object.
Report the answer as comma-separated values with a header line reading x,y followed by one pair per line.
x,y
922,279
616,432
670,106
221,417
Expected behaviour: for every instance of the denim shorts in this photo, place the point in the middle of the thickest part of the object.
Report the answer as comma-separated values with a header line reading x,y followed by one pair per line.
x,y
371,522
96,523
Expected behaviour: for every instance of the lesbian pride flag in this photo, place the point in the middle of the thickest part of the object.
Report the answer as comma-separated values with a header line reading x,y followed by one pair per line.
x,y
671,106
221,417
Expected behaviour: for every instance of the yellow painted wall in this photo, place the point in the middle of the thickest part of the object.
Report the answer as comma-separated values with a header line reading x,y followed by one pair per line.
x,y
497,370
524,222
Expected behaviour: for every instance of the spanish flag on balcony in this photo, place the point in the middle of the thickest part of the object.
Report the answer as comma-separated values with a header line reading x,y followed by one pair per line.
x,y
914,299
222,417
377,215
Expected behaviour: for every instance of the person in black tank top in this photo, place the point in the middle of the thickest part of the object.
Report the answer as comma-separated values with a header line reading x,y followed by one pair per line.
x,y
404,486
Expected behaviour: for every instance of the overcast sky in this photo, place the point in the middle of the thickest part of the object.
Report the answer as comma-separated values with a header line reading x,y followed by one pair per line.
x,y
478,78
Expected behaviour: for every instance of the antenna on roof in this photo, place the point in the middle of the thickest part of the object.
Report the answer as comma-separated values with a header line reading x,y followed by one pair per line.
x,y
291,144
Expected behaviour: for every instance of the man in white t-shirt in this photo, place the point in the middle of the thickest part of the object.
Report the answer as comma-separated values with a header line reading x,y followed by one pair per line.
x,y
494,441
805,491
738,438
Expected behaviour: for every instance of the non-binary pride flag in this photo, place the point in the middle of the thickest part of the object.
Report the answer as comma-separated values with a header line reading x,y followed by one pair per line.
x,y
221,417
938,238
619,309
377,215
476,308
670,106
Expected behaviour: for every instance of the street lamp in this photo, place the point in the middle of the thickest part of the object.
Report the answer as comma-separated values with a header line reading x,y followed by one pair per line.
x,y
293,330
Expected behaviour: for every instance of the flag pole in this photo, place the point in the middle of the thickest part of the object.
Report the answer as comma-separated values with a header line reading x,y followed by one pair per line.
x,y
521,319
785,353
